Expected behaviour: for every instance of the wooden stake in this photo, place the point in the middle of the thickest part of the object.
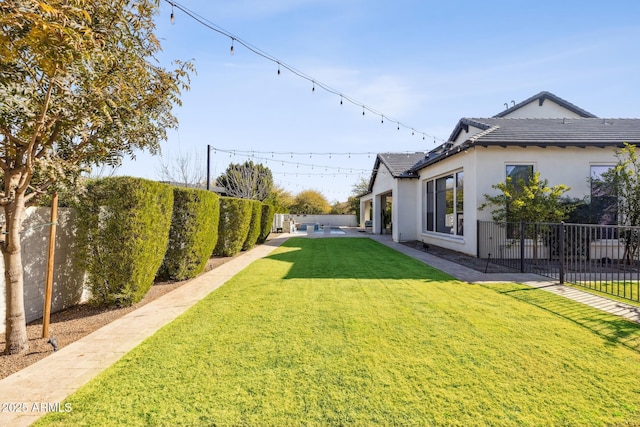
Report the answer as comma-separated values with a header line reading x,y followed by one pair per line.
x,y
49,279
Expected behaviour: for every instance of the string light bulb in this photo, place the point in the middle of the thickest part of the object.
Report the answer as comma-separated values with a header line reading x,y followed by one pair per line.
x,y
172,18
231,50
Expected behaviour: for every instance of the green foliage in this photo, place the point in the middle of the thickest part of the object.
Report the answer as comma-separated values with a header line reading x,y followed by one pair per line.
x,y
254,225
624,182
310,202
266,221
123,231
80,84
280,199
193,234
247,181
532,201
233,229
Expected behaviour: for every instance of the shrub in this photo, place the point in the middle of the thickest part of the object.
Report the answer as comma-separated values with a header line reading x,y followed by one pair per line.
x,y
123,230
266,221
254,225
233,229
193,234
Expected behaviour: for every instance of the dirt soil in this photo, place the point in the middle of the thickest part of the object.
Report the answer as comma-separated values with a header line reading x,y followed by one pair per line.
x,y
477,264
76,322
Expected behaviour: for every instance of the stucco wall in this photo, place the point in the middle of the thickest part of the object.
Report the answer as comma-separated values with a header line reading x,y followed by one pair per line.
x,y
67,280
484,167
333,220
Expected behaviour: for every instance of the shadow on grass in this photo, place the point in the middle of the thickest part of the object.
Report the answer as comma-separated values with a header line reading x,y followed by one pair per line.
x,y
615,330
350,258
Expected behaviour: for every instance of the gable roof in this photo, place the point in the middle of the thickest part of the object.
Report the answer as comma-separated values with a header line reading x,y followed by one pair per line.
x,y
541,97
399,165
506,132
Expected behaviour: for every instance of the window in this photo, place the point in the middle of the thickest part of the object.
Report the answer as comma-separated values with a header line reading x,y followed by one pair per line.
x,y
519,172
443,204
429,206
603,201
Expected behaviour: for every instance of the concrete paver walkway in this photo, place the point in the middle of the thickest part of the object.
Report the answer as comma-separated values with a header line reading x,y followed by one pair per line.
x,y
40,388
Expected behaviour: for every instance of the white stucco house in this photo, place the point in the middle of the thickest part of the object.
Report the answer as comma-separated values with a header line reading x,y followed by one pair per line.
x,y
434,196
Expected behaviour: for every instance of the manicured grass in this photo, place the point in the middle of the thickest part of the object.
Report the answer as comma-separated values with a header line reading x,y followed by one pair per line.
x,y
346,331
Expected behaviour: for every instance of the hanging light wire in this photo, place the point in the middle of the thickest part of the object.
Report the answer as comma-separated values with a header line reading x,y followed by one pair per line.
x,y
315,82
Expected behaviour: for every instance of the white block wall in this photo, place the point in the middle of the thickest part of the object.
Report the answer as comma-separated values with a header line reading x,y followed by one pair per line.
x,y
67,280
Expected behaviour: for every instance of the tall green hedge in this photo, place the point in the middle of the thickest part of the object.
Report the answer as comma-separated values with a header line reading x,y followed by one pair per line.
x,y
233,229
266,221
193,234
123,231
254,225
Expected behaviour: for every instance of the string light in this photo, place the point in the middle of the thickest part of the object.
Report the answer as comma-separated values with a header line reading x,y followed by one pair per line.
x,y
173,17
205,22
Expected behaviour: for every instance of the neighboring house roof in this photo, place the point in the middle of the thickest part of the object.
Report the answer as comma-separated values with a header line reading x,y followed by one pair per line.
x,y
399,164
541,97
505,132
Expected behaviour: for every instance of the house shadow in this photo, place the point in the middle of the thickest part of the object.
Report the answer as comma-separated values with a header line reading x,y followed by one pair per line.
x,y
613,329
361,258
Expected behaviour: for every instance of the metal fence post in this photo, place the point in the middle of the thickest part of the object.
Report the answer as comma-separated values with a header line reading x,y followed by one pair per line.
x,y
562,242
522,246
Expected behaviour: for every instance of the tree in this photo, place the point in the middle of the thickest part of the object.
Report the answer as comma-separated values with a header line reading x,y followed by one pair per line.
x,y
183,170
80,85
528,201
531,201
280,199
310,202
247,181
623,181
357,190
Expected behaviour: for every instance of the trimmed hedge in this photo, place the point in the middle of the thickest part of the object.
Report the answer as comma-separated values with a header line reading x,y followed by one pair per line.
x,y
123,231
266,221
233,229
193,234
254,225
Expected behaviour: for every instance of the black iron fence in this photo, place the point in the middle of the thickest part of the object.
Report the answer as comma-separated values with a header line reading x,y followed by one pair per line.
x,y
605,258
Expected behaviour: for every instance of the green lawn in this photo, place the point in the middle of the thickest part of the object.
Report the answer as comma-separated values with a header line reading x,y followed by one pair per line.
x,y
346,331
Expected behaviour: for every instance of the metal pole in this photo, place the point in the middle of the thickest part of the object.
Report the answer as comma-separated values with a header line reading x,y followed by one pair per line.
x,y
208,167
562,243
522,246
49,278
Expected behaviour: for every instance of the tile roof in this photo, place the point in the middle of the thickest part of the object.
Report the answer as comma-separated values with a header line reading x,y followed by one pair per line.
x,y
505,132
557,132
399,164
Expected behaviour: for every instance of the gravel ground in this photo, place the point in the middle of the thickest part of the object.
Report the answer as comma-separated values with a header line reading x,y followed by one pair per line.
x,y
76,322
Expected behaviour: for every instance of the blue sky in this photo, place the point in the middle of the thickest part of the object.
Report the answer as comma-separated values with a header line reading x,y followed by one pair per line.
x,y
423,63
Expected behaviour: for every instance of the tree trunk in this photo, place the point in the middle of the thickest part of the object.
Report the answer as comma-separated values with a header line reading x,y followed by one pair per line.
x,y
16,327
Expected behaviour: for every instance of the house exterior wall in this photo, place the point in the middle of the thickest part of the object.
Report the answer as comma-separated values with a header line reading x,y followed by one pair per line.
x,y
404,210
383,184
67,278
484,167
548,110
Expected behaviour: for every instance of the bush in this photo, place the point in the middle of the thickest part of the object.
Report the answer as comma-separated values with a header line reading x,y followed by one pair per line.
x,y
193,234
254,225
266,222
123,231
233,229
